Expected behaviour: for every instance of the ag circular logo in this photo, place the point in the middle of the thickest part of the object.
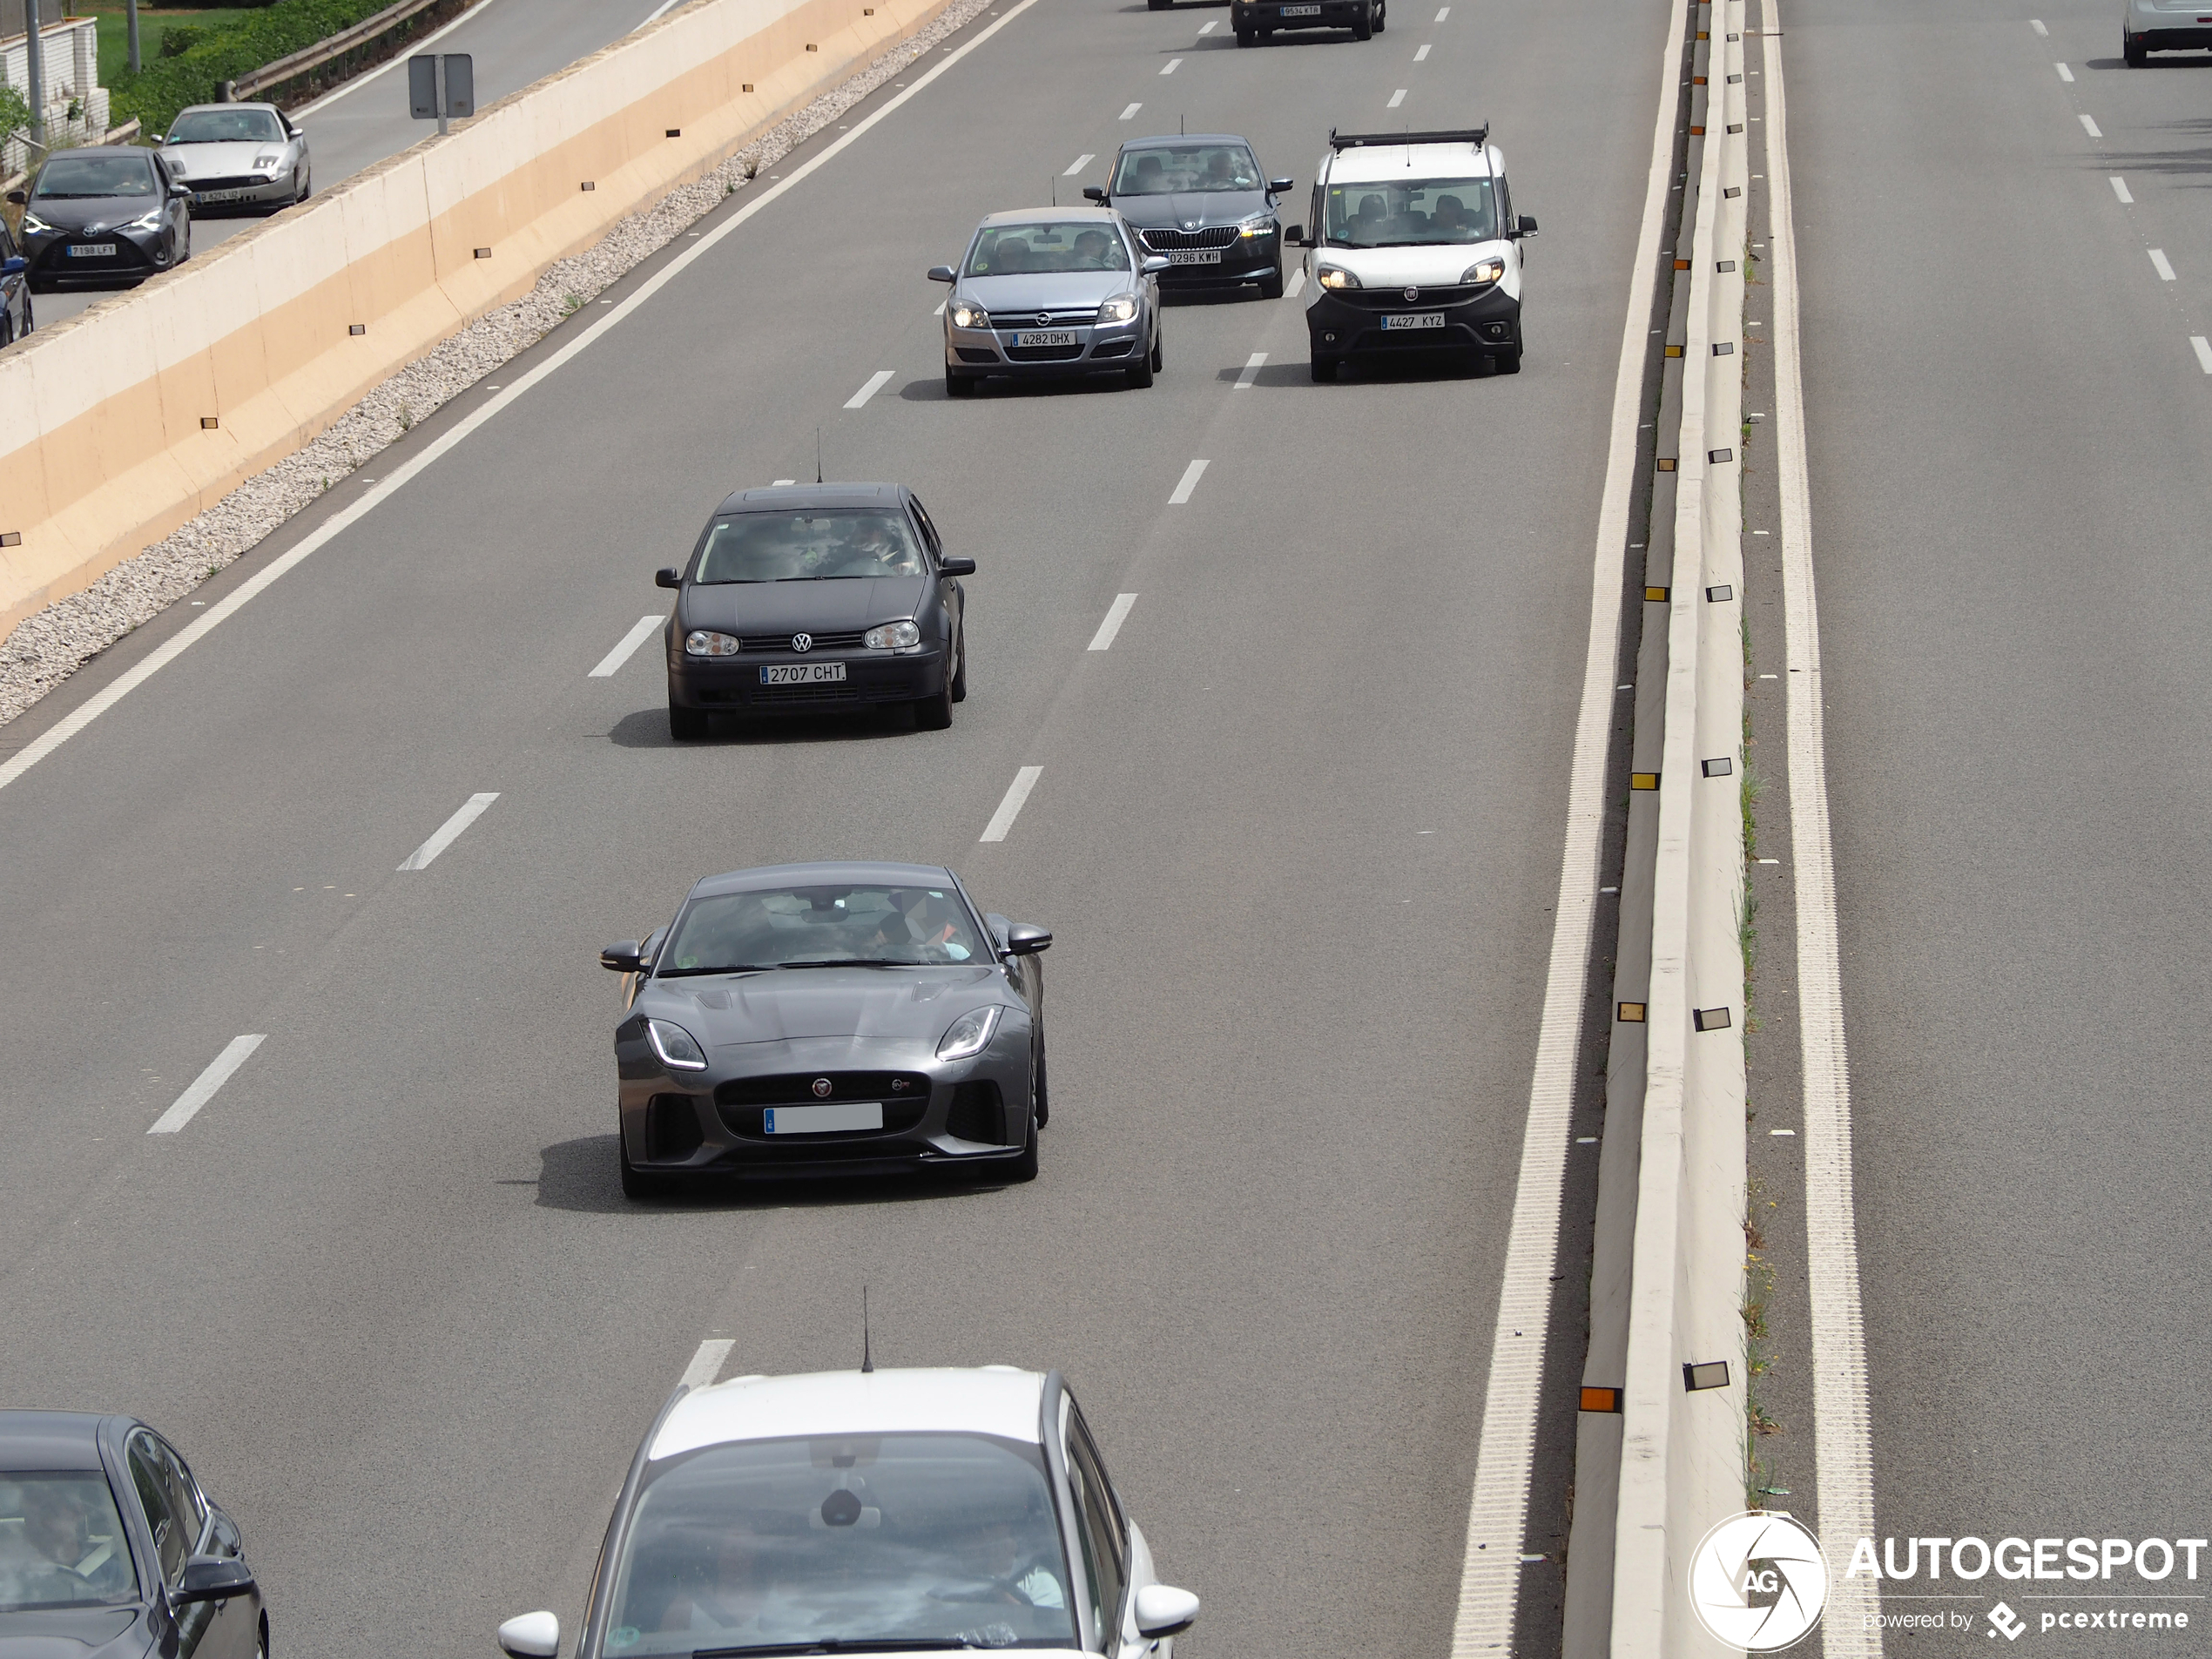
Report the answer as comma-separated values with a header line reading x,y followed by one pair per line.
x,y
1758,1582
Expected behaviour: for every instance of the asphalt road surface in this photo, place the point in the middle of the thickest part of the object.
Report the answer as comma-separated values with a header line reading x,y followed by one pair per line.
x,y
514,44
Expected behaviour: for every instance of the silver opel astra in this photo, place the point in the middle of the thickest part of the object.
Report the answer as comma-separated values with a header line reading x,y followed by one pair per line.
x,y
1049,292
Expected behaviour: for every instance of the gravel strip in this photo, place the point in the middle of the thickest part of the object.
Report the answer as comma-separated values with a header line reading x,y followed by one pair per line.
x,y
48,647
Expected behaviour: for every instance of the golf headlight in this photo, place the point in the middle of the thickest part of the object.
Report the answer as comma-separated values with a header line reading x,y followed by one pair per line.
x,y
1484,270
967,314
34,226
702,643
677,1048
1335,276
970,1034
892,636
1120,308
145,221
1260,225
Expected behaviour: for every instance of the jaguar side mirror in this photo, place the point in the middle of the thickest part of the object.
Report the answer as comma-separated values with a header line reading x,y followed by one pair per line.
x,y
535,1636
1280,186
213,1578
1093,193
956,567
1527,227
1295,237
623,958
942,273
1026,938
1164,1611
668,576
1156,263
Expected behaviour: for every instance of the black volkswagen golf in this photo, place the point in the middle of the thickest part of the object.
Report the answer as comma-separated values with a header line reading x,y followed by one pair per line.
x,y
813,597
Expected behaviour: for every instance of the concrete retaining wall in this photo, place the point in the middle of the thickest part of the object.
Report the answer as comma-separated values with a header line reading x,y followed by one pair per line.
x,y
120,425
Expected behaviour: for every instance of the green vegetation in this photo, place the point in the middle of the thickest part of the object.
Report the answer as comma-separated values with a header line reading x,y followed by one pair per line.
x,y
233,43
154,29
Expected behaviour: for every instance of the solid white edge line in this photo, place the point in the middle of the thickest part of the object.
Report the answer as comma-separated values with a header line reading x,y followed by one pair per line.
x,y
2161,265
381,491
204,1086
1074,167
614,660
1841,1432
1252,365
360,81
448,833
876,382
706,1363
657,14
2204,349
1116,614
1191,474
2119,189
1010,807
1296,284
2090,126
1498,1507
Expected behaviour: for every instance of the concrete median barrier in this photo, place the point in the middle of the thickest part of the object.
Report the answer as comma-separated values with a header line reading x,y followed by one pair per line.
x,y
120,425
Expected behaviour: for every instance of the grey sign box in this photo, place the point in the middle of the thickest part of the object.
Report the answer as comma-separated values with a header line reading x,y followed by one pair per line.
x,y
422,86
461,84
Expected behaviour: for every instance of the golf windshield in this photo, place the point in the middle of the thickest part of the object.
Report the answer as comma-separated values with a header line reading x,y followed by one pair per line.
x,y
804,926
62,1543
1020,250
225,126
932,1540
88,177
1169,168
808,546
1413,213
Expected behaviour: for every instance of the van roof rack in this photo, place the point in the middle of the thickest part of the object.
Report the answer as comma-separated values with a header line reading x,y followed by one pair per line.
x,y
1475,135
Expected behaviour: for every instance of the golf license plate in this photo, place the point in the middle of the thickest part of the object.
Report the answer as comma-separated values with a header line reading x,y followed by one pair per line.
x,y
203,197
1194,256
843,1115
801,674
1424,320
1045,337
92,251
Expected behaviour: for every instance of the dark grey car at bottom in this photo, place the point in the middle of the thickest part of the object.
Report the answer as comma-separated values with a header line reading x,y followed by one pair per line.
x,y
839,1018
108,1549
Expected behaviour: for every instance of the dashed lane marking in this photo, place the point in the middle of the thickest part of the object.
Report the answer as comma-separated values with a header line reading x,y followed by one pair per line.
x,y
1170,66
2119,189
2090,126
1191,474
1396,99
204,1086
1116,614
877,382
1131,111
1251,371
1074,167
641,631
2158,263
1010,808
706,1363
449,832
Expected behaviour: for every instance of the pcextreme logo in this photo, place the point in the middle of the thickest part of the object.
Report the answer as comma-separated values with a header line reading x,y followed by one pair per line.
x,y
1758,1582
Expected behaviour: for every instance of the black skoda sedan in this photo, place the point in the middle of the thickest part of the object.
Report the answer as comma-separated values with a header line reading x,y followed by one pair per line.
x,y
830,1019
105,218
813,597
1203,204
108,1549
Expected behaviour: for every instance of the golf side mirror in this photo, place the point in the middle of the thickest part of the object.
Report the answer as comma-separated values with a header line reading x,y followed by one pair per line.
x,y
942,273
1164,1611
1527,227
1093,193
1280,186
956,567
1026,938
1155,264
213,1578
1295,237
532,1636
668,576
623,958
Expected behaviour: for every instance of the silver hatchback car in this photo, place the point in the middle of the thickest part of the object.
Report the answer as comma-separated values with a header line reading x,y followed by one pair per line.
x,y
1052,292
245,157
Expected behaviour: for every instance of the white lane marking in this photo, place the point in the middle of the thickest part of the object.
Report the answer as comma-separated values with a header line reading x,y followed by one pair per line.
x,y
1116,614
940,311
449,832
615,658
1498,1507
1208,27
2158,263
2089,126
204,1086
1442,12
2119,189
780,482
1790,1132
876,383
1421,57
658,12
1074,167
1132,110
1010,808
1290,289
1191,474
1844,1441
1170,66
2065,74
1396,99
360,81
1251,371
706,1363
336,525
2203,348
2036,23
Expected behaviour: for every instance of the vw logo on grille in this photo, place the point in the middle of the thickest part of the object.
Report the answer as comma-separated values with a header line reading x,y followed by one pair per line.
x,y
1412,294
804,642
821,1087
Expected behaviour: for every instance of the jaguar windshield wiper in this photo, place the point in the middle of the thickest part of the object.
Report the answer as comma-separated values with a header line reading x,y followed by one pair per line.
x,y
726,968
836,1644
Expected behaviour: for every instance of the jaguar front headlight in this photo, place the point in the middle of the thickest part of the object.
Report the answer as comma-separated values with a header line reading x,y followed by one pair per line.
x,y
969,1035
1484,270
1120,308
269,162
892,636
702,642
677,1048
1335,276
966,313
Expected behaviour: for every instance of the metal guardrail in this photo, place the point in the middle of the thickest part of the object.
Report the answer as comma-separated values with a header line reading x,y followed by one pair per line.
x,y
344,54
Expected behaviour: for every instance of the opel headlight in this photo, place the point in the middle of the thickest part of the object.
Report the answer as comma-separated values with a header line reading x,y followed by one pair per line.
x,y
34,226
701,642
1335,276
1120,308
1484,270
967,314
1260,225
892,636
677,1048
970,1034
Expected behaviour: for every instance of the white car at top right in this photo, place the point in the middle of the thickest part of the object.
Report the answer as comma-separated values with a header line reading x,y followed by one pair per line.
x,y
2163,26
1413,246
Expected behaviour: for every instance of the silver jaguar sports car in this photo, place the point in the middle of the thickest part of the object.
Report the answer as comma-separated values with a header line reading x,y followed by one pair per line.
x,y
829,1019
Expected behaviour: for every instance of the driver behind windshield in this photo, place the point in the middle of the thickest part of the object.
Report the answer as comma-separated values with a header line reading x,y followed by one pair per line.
x,y
66,1547
812,545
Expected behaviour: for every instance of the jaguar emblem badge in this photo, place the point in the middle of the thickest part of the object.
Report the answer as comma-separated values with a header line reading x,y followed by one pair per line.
x,y
1412,294
802,642
822,1088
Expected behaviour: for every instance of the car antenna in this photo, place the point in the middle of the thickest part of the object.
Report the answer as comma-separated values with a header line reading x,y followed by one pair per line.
x,y
867,1360
817,455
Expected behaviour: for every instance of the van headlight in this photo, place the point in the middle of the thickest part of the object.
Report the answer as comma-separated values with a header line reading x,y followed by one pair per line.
x,y
892,636
967,314
1335,276
1120,308
702,642
1484,270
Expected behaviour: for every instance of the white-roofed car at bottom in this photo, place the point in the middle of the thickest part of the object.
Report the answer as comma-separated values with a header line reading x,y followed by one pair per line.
x,y
881,1512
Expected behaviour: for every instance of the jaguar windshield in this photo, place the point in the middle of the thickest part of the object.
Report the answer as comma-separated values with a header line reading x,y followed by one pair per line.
x,y
1421,214
810,546
1185,167
62,1543
727,933
227,126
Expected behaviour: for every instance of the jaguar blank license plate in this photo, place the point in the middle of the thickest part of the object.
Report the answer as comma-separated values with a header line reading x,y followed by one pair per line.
x,y
801,674
1425,320
1196,255
1045,337
843,1115
202,198
92,251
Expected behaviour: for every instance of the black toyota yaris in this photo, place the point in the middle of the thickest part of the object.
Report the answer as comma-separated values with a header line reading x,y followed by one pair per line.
x,y
814,597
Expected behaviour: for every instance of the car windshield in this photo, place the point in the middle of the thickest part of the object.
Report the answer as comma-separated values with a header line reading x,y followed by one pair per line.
x,y
1160,169
68,176
807,546
801,927
225,126
1082,245
62,1543
905,1540
1428,213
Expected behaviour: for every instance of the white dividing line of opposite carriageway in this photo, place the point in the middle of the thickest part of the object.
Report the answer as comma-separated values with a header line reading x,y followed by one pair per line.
x,y
1074,167
877,382
2202,348
706,1363
1421,56
449,832
638,635
1010,808
1191,474
1131,111
1116,614
1296,284
2065,74
204,1086
1170,66
2090,126
1396,99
